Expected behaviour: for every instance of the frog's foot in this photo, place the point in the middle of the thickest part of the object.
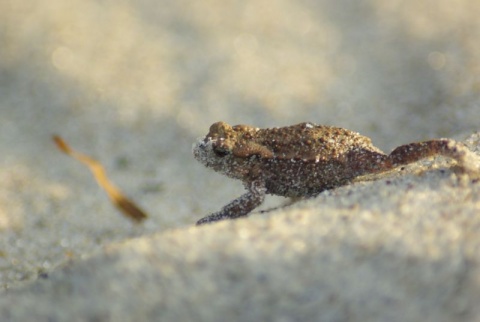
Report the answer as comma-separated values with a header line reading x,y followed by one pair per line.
x,y
239,207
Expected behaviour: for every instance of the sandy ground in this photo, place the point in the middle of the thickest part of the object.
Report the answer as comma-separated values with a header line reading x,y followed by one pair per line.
x,y
135,83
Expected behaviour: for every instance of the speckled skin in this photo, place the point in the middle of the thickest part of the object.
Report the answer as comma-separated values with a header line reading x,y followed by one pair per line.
x,y
303,160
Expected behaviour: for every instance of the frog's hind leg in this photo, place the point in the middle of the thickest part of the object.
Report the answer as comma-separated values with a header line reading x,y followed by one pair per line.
x,y
467,161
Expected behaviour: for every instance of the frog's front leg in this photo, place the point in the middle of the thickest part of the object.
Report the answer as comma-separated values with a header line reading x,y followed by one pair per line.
x,y
241,206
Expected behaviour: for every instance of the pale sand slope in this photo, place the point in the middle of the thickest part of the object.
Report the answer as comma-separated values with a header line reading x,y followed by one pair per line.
x,y
402,248
134,84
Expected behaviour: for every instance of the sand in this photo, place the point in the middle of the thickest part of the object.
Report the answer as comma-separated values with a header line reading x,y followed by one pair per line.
x,y
134,84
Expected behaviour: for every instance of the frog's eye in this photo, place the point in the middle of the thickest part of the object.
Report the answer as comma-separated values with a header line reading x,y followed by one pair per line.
x,y
220,151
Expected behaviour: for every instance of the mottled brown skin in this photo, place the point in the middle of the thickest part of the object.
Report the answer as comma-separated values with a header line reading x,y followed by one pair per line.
x,y
305,159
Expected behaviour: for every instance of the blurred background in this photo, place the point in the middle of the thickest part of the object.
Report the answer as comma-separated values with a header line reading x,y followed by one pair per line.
x,y
134,83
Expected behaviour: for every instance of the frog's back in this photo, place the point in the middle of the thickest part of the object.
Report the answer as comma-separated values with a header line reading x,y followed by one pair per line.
x,y
308,158
311,142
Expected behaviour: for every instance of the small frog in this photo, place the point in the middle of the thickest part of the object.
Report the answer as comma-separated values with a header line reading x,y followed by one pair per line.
x,y
305,159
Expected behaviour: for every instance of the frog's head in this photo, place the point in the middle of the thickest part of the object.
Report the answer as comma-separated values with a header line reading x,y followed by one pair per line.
x,y
228,149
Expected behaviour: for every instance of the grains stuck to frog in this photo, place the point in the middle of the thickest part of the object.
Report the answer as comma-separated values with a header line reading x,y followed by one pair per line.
x,y
305,159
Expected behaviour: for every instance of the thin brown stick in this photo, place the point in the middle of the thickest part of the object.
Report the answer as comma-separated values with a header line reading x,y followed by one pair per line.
x,y
126,206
